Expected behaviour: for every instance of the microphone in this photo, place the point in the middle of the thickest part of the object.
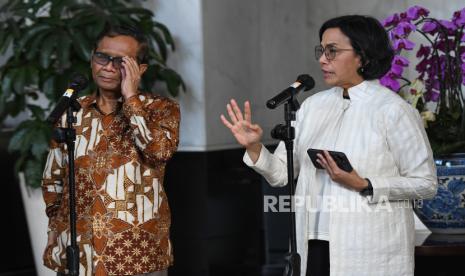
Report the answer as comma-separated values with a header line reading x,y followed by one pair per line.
x,y
78,83
303,82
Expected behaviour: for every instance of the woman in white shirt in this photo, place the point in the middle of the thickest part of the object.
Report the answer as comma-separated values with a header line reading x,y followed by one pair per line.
x,y
358,222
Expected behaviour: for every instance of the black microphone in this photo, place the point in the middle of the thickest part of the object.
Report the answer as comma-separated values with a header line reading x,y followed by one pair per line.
x,y
303,82
78,83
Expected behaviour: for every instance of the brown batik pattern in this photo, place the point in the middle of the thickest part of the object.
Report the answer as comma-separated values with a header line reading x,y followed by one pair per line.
x,y
122,210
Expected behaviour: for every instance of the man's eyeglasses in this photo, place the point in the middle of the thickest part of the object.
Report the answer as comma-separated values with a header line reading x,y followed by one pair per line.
x,y
330,51
104,59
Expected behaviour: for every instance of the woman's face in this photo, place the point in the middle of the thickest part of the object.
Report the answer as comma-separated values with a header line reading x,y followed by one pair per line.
x,y
341,70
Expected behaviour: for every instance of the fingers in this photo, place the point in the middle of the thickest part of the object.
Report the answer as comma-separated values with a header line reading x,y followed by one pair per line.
x,y
332,164
237,110
226,122
247,112
131,68
255,127
232,116
322,160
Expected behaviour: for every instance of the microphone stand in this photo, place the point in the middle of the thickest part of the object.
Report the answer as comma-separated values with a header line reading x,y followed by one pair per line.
x,y
68,135
286,133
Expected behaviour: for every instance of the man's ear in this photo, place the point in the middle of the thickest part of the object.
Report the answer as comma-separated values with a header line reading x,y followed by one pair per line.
x,y
142,68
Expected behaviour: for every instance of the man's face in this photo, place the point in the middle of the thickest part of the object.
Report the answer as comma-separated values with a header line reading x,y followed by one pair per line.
x,y
108,77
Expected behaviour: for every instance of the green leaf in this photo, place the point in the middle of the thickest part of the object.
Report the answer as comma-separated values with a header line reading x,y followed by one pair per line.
x,y
32,50
16,140
48,87
14,28
6,44
40,146
46,50
133,11
16,105
33,170
19,81
166,34
31,32
6,83
160,44
32,75
63,51
173,81
81,45
37,111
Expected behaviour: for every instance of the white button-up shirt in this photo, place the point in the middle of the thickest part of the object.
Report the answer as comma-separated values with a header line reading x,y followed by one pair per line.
x,y
385,141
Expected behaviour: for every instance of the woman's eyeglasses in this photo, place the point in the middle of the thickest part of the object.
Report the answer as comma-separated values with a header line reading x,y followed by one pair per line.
x,y
330,51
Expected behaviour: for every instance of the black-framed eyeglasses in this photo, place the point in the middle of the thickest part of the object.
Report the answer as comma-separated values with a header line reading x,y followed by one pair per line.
x,y
330,51
104,59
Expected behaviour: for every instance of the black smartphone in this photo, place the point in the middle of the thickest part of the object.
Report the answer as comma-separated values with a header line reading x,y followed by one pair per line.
x,y
339,157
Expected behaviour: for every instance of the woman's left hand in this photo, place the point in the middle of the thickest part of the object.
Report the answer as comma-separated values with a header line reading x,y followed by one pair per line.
x,y
351,180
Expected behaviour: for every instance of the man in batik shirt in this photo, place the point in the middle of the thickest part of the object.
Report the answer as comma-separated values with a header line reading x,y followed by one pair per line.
x,y
124,139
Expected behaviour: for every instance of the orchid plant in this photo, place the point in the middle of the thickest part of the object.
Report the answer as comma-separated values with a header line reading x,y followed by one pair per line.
x,y
437,90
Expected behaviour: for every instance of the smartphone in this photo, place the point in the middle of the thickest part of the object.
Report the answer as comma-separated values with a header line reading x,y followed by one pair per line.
x,y
339,157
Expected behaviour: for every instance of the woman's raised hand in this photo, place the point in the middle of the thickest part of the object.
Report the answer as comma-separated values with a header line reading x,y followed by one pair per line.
x,y
247,134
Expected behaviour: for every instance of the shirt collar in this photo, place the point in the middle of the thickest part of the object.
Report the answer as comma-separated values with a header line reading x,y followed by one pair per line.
x,y
361,91
91,100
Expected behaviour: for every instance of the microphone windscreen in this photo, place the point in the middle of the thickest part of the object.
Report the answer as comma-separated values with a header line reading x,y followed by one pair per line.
x,y
78,82
306,81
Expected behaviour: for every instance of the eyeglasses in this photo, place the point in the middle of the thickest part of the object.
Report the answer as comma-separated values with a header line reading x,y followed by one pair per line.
x,y
330,51
104,59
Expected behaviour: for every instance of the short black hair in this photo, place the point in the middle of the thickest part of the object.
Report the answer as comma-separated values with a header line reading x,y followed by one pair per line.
x,y
369,40
132,31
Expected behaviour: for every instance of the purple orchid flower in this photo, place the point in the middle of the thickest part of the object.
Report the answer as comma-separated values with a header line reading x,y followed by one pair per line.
x,y
429,27
459,18
404,17
423,51
391,20
403,43
416,11
423,66
404,28
400,60
397,70
390,82
432,96
448,25
445,45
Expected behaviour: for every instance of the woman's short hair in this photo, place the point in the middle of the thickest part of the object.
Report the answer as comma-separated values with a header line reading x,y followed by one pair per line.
x,y
369,40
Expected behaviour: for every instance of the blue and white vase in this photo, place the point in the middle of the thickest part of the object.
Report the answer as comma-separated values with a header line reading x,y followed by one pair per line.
x,y
445,213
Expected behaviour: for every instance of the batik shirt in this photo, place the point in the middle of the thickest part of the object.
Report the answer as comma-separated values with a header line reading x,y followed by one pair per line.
x,y
123,217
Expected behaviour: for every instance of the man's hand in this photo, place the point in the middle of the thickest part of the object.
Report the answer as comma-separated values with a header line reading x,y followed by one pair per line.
x,y
130,77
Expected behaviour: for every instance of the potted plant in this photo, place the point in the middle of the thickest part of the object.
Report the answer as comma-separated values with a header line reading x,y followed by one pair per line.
x,y
437,92
47,41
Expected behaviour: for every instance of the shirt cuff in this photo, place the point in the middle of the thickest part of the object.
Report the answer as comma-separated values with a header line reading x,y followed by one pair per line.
x,y
380,190
262,161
